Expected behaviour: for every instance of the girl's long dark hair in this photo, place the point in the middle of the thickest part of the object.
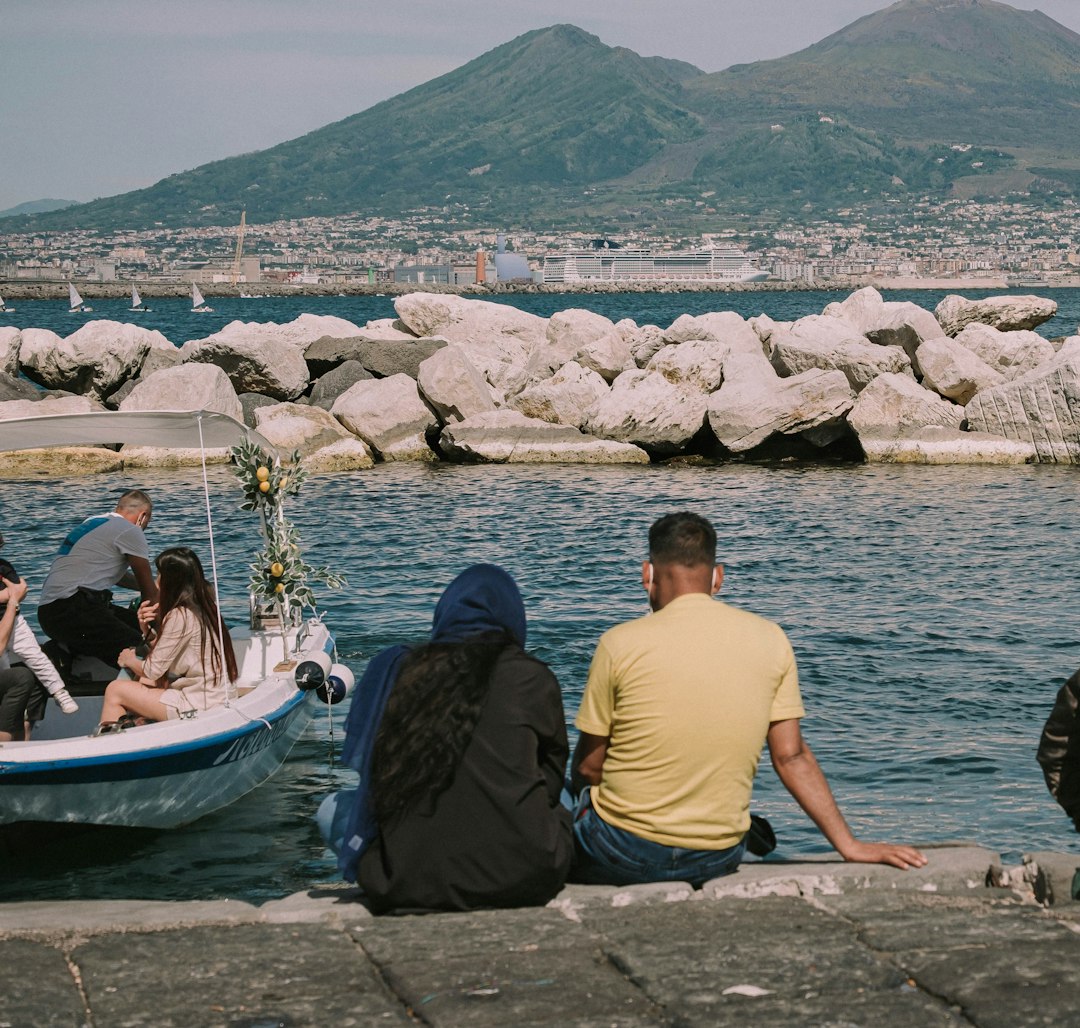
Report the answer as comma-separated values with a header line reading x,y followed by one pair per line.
x,y
183,584
428,721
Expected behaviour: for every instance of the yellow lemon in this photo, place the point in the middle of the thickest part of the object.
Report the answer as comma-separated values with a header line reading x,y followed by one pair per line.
x,y
277,569
264,487
284,482
262,474
280,587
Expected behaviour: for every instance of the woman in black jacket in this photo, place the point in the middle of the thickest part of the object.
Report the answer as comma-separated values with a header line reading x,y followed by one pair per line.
x,y
461,747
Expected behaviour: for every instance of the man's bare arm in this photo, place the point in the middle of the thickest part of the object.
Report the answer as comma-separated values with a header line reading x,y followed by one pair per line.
x,y
587,763
803,778
141,578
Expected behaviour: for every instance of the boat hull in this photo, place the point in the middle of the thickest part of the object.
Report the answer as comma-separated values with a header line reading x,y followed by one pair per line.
x,y
167,774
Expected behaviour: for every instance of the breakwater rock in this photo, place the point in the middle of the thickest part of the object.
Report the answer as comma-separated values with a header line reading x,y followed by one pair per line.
x,y
463,379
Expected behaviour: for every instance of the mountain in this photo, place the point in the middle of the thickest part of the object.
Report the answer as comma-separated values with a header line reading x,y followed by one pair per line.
x,y
37,207
926,96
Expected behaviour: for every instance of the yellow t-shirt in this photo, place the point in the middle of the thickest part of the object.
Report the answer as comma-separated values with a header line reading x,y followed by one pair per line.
x,y
685,697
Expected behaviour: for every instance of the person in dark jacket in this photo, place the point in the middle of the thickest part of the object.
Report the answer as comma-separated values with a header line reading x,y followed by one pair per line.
x,y
1059,749
461,747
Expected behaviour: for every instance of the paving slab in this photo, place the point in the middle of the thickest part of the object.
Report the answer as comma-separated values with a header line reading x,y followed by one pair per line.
x,y
1006,984
37,986
503,968
949,867
89,916
239,975
896,923
704,963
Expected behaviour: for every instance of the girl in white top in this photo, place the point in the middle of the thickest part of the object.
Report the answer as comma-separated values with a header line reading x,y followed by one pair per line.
x,y
185,670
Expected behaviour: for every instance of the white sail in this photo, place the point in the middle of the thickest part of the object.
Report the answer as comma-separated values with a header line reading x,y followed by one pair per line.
x,y
74,299
136,300
196,297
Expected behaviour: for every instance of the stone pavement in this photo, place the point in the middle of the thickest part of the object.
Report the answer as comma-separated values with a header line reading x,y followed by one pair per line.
x,y
961,942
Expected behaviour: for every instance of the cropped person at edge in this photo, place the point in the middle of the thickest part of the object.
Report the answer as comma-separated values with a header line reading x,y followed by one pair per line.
x,y
676,711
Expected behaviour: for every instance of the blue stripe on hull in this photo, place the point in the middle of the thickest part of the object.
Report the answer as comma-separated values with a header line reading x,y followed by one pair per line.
x,y
180,758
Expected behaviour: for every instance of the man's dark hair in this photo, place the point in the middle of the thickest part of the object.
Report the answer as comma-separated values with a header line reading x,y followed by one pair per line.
x,y
682,538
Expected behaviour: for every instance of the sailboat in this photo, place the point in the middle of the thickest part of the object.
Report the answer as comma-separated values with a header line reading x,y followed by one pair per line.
x,y
75,301
137,302
198,304
4,308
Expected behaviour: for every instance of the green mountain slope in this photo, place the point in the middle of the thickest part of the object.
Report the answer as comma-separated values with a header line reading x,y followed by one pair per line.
x,y
557,128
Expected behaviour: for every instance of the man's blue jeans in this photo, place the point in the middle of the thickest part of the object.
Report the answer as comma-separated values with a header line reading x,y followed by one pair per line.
x,y
606,855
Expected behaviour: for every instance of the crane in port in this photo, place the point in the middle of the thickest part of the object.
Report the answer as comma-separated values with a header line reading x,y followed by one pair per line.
x,y
235,276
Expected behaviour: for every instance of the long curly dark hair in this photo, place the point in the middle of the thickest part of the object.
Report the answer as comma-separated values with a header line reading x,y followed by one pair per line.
x,y
429,719
183,584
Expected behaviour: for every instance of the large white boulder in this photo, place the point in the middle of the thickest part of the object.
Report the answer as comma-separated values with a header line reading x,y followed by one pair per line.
x,y
298,333
697,363
935,444
452,385
389,415
323,443
186,387
644,408
954,371
48,405
744,414
644,341
886,323
1041,407
893,406
508,436
725,327
564,399
1007,313
255,364
764,327
501,340
583,336
832,344
96,359
10,341
1012,353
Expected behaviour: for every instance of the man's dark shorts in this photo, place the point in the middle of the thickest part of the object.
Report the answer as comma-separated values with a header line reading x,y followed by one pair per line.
x,y
90,623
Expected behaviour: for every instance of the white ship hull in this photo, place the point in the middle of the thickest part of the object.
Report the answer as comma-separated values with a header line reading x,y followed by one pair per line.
x,y
718,265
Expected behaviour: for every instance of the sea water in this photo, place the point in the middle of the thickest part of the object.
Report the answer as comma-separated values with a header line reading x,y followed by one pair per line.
x,y
930,611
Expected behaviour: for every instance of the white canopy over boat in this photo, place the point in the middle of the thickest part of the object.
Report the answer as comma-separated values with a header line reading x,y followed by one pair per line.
x,y
193,429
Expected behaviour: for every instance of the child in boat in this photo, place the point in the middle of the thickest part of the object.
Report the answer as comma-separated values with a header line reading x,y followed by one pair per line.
x,y
22,648
191,659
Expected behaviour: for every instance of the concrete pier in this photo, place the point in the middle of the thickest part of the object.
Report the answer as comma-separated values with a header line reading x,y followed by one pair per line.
x,y
963,941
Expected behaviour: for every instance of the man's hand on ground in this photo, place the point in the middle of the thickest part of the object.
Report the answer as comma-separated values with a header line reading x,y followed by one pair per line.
x,y
883,853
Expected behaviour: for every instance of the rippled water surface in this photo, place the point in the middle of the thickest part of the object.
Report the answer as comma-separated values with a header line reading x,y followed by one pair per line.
x,y
174,319
930,609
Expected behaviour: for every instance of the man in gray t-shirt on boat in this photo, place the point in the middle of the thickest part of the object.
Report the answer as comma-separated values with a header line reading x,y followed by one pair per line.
x,y
76,607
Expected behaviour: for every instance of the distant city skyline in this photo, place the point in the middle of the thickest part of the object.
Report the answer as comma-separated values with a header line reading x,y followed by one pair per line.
x,y
104,98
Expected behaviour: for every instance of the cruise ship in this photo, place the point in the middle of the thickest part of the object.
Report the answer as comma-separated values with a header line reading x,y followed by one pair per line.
x,y
612,263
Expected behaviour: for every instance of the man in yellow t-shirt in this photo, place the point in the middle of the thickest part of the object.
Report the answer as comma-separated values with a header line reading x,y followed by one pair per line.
x,y
676,711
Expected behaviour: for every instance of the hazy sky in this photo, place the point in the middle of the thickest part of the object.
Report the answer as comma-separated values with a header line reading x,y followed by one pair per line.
x,y
101,96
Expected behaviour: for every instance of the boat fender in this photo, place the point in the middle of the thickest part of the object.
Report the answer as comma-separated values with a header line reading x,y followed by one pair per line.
x,y
339,683
311,672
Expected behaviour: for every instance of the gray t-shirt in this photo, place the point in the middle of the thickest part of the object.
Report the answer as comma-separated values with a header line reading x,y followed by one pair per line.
x,y
94,556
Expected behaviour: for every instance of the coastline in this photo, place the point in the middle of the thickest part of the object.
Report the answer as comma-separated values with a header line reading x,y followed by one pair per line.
x,y
19,289
961,942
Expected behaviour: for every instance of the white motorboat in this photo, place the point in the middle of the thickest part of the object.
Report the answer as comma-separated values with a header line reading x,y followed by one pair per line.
x,y
169,773
75,302
198,304
137,302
